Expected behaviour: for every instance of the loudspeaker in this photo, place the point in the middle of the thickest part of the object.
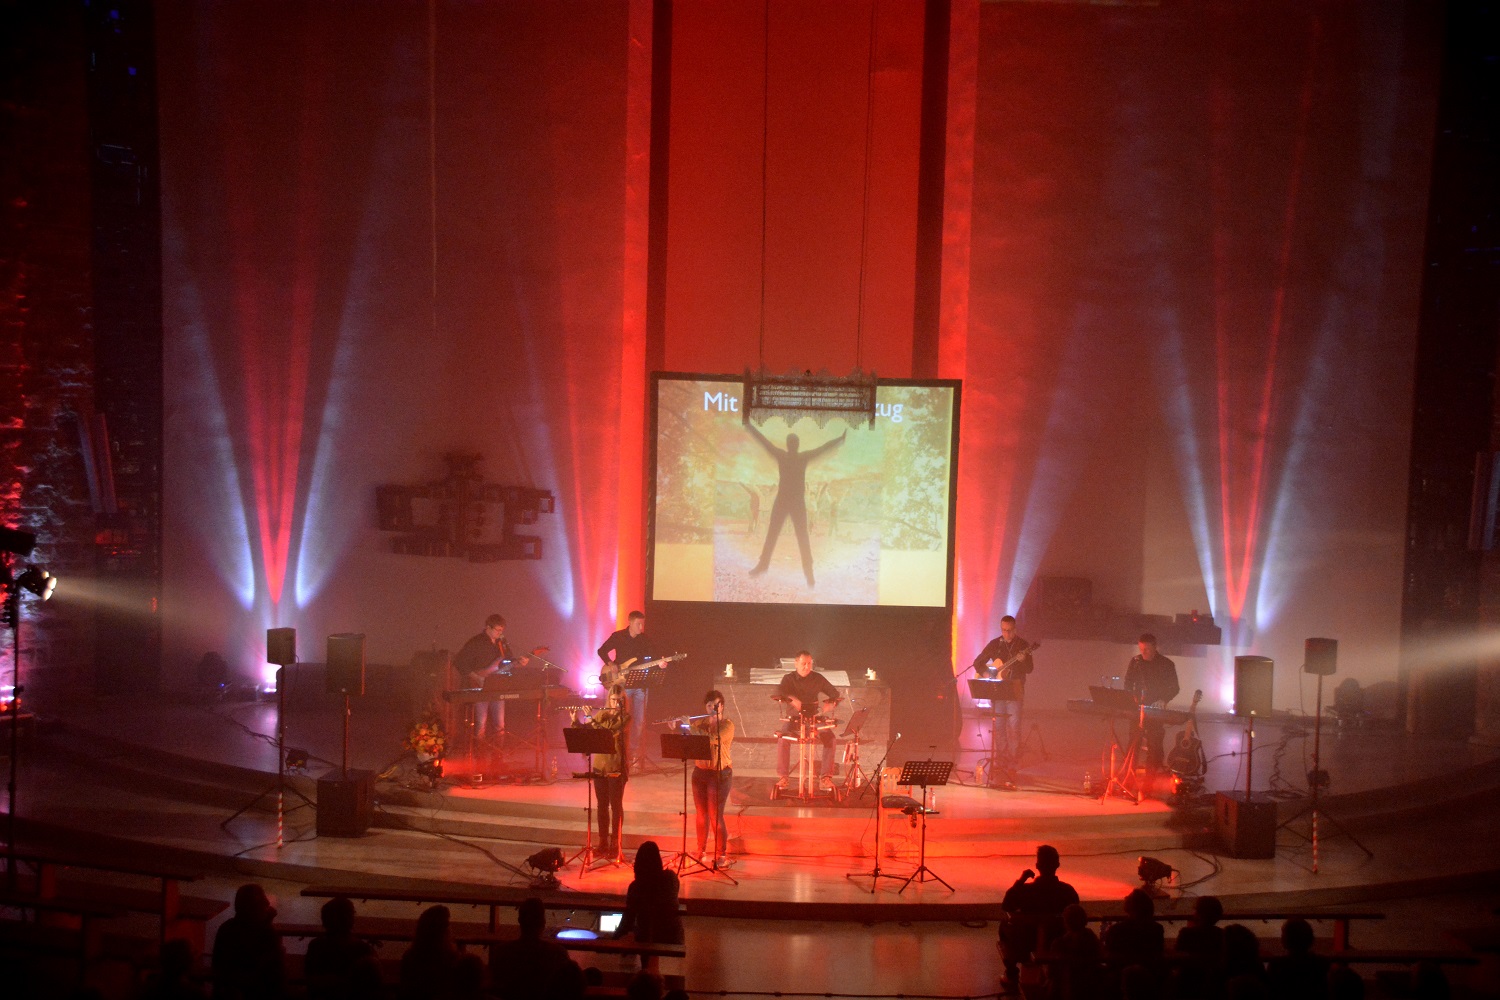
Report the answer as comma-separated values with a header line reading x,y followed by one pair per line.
x,y
281,646
346,663
1246,827
346,806
1252,685
1321,656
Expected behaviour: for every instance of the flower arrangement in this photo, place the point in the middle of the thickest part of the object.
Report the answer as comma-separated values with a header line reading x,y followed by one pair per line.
x,y
427,737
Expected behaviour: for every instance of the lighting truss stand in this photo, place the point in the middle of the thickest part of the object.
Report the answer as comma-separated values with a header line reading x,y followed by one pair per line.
x,y
1316,779
925,773
688,747
875,874
588,741
281,788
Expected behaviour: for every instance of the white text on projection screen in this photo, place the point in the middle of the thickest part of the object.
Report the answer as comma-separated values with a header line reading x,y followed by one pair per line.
x,y
778,513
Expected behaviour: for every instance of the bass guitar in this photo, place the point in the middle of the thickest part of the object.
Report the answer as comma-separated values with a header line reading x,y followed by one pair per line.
x,y
1186,757
1002,668
614,672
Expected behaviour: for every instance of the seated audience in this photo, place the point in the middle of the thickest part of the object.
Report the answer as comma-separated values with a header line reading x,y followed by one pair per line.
x,y
651,900
1345,984
1299,974
1138,939
1032,913
468,979
530,965
1200,948
174,978
1074,955
1244,973
644,986
249,961
430,966
332,955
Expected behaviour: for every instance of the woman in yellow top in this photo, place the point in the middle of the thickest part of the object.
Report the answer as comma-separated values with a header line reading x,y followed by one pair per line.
x,y
611,771
712,778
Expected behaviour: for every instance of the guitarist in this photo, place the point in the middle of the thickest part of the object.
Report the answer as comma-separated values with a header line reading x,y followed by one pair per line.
x,y
623,647
1008,657
483,656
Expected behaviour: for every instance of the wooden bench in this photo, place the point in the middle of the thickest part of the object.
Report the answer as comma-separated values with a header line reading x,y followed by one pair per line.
x,y
1341,919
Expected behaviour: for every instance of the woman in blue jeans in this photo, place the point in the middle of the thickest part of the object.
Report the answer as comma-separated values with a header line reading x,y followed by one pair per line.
x,y
712,778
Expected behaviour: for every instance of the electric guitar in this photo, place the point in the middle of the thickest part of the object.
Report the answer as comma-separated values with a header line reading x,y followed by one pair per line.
x,y
1186,757
1003,667
614,672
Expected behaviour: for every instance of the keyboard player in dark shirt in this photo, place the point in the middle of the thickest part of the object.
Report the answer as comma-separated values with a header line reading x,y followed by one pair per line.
x,y
481,658
1152,678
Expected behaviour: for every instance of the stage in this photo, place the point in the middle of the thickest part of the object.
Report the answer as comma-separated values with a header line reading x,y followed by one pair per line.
x,y
171,773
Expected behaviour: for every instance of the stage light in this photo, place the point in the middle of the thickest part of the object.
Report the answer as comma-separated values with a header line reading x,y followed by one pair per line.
x,y
16,542
544,865
37,581
296,759
1152,871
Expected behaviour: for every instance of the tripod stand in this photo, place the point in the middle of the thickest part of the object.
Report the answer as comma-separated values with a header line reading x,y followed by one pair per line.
x,y
280,788
588,741
1317,778
925,773
875,874
855,779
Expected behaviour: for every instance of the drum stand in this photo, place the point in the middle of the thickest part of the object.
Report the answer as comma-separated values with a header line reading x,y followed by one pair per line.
x,y
808,743
925,773
588,741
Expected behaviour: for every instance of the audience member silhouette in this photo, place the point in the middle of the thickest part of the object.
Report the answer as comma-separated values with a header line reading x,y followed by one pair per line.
x,y
1345,984
173,978
429,967
651,900
332,955
1200,948
1032,912
1244,973
1074,957
644,986
1138,939
468,979
1298,974
532,964
249,962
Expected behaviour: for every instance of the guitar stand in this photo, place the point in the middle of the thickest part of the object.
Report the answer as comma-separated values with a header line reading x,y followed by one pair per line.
x,y
688,747
925,773
588,741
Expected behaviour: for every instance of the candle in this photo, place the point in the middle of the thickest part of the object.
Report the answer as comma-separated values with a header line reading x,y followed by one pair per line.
x,y
870,674
729,670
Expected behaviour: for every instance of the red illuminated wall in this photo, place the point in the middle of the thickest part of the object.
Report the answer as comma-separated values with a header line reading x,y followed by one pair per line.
x,y
1179,274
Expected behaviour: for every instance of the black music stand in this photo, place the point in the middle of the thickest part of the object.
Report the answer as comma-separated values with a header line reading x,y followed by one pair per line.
x,y
925,773
855,778
644,679
688,747
588,740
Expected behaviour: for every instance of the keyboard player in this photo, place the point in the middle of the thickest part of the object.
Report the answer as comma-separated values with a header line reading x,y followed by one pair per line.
x,y
1152,678
482,657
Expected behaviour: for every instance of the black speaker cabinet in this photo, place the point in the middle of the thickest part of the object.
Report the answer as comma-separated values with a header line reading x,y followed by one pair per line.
x,y
1252,685
1321,656
1246,827
346,806
346,663
281,646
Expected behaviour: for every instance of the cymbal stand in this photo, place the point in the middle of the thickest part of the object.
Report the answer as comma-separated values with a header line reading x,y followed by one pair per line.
x,y
925,773
875,874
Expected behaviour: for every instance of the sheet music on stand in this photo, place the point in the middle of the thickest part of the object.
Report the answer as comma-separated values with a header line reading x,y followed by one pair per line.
x,y
588,739
686,746
646,678
925,772
993,689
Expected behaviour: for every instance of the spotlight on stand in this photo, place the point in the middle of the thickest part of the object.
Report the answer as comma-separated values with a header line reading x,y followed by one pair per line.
x,y
1152,871
296,759
544,865
38,581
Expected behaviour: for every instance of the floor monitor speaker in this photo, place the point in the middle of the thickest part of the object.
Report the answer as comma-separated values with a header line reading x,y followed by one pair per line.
x,y
1246,825
346,805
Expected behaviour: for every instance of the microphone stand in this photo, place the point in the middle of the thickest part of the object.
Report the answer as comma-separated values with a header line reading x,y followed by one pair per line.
x,y
875,874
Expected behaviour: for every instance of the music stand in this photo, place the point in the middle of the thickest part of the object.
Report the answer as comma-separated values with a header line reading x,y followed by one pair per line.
x,y
854,776
688,747
587,740
644,679
875,874
925,773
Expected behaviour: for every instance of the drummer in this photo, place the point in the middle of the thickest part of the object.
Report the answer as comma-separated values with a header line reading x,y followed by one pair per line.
x,y
804,689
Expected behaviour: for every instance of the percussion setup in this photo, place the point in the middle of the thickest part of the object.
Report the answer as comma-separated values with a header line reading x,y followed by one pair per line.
x,y
811,725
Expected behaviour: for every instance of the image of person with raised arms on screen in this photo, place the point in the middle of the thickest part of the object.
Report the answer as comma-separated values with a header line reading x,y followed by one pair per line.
x,y
791,496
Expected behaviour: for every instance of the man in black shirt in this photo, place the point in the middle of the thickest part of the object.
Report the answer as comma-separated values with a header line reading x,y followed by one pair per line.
x,y
1008,657
805,691
483,656
1152,678
625,646
1033,911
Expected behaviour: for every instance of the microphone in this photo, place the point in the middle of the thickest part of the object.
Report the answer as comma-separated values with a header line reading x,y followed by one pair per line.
x,y
897,737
